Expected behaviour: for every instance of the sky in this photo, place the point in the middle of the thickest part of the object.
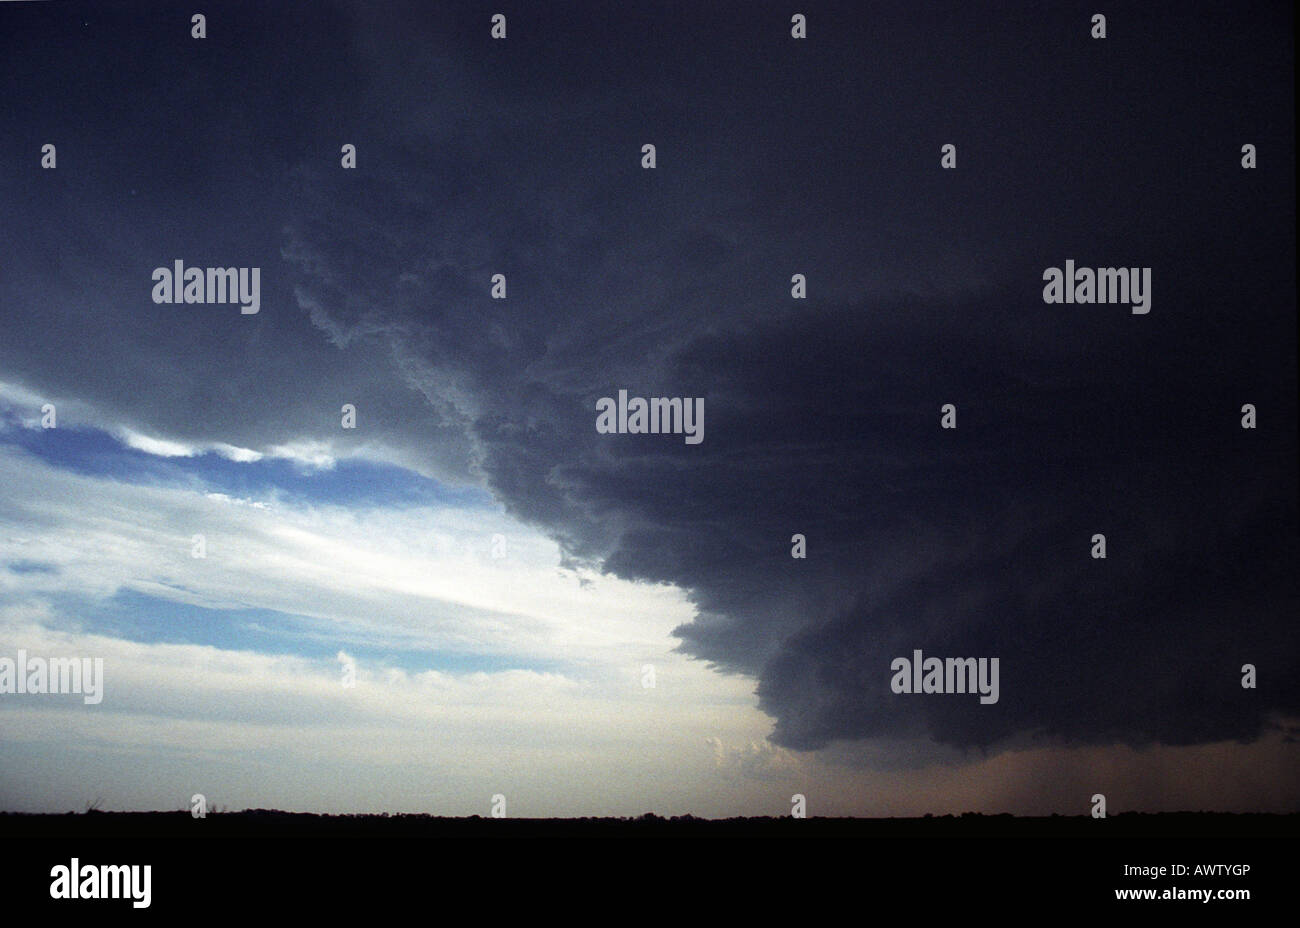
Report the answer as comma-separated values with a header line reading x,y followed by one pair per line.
x,y
610,624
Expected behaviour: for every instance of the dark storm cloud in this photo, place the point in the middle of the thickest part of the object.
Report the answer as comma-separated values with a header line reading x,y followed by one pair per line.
x,y
822,417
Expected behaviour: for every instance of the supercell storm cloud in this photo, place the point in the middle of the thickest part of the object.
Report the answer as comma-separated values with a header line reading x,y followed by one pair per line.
x,y
824,415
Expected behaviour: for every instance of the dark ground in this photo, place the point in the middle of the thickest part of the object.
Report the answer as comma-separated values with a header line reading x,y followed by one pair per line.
x,y
271,824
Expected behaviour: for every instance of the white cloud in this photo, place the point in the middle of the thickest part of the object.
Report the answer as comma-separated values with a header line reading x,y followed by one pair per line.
x,y
420,576
158,446
580,738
